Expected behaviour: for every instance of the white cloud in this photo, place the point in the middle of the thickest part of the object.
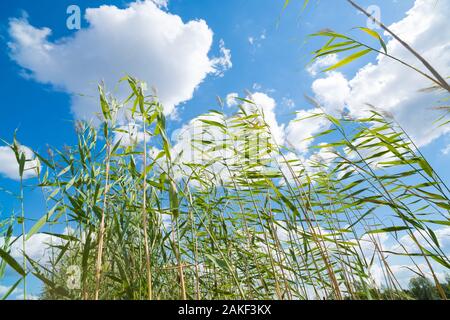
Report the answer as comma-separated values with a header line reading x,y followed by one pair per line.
x,y
443,236
130,134
29,297
389,85
188,148
403,273
446,150
298,168
392,87
231,99
266,105
9,166
332,92
3,290
292,167
215,146
197,142
376,156
323,158
184,137
399,265
370,242
299,131
37,247
18,292
321,63
408,244
222,63
141,40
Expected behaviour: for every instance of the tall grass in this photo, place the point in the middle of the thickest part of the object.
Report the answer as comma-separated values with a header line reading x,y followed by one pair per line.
x,y
242,217
232,214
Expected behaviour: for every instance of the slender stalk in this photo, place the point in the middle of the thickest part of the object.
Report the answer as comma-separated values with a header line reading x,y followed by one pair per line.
x,y
144,216
24,259
102,227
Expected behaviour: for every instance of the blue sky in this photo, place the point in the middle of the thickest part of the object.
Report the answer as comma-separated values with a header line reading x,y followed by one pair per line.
x,y
233,21
269,51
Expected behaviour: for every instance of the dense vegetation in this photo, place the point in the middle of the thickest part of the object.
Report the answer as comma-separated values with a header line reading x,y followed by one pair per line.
x,y
237,216
240,218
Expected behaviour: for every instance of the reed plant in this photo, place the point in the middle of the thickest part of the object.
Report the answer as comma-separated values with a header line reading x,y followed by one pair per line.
x,y
229,212
240,217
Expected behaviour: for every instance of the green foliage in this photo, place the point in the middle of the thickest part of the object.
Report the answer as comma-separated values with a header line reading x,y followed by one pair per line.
x,y
242,218
423,289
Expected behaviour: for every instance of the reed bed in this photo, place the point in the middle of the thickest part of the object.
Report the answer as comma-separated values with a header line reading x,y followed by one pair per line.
x,y
240,217
232,213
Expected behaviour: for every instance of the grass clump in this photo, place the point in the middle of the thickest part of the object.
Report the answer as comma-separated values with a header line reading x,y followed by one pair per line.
x,y
235,215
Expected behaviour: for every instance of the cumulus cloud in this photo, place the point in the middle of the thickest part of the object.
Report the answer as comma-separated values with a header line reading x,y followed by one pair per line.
x,y
200,143
266,105
130,134
371,243
389,85
141,40
3,290
9,167
17,292
404,272
212,151
299,131
231,99
195,130
377,156
332,92
218,147
408,244
190,149
37,248
322,63
293,167
400,265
